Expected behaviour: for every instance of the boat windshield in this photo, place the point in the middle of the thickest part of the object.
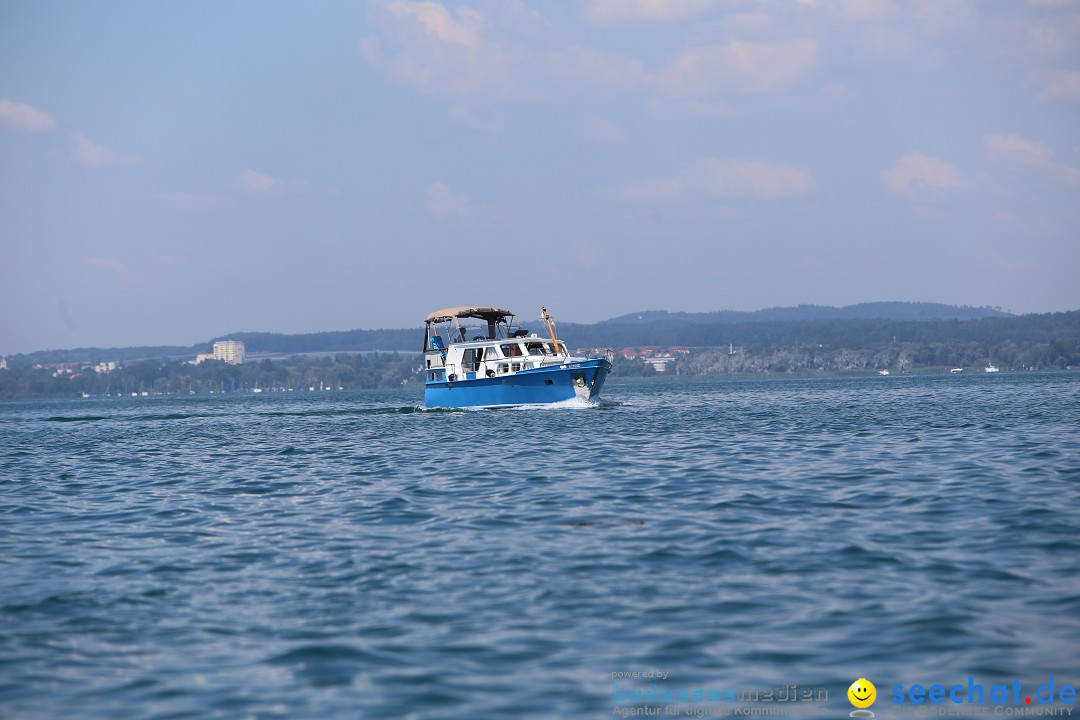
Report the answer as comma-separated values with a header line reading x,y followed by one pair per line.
x,y
469,330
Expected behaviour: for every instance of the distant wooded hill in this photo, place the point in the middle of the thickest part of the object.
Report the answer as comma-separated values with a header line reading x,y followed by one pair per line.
x,y
838,333
862,311
857,326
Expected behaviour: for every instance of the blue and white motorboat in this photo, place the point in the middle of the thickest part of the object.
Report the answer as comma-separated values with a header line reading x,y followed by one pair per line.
x,y
480,357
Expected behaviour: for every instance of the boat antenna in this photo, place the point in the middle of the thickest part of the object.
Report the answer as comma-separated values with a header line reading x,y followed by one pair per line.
x,y
551,330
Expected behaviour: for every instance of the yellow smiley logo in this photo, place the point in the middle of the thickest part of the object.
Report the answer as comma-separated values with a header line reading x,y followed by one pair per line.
x,y
862,693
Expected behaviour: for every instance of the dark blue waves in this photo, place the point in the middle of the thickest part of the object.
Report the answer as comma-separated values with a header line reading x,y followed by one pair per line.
x,y
352,555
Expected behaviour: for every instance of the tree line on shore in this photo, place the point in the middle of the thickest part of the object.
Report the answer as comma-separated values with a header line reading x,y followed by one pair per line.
x,y
384,370
652,329
174,377
831,334
1034,342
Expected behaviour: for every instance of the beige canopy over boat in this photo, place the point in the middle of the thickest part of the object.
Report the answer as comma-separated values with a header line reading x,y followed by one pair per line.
x,y
489,314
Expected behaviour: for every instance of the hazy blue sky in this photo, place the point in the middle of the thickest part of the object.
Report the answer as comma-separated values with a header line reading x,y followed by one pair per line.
x,y
170,171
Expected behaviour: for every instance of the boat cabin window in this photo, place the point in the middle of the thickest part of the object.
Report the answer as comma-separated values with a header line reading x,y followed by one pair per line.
x,y
556,349
536,348
470,359
511,350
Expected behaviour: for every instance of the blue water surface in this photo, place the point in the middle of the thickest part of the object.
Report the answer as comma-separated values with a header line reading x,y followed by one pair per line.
x,y
341,555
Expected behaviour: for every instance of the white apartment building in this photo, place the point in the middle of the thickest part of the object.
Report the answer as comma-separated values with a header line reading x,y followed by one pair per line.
x,y
231,351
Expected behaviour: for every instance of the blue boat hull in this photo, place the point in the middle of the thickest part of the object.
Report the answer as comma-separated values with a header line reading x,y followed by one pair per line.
x,y
537,386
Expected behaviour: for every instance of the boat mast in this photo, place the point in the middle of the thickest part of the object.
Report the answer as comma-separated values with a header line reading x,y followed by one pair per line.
x,y
551,330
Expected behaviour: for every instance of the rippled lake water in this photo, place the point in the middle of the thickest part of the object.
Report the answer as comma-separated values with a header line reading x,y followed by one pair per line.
x,y
352,555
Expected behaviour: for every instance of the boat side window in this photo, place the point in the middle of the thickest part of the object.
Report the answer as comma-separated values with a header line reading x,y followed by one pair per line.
x,y
504,368
511,350
536,348
492,353
470,359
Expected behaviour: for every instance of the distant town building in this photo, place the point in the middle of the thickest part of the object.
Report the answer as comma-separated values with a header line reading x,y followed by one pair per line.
x,y
103,368
231,351
3,363
660,362
203,357
62,368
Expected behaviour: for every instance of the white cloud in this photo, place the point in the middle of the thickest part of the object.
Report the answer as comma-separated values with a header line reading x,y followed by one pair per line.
x,y
745,67
87,152
510,53
458,28
1058,84
257,182
917,172
1017,150
613,12
438,50
1047,38
20,116
753,177
499,51
445,204
507,52
724,177
1013,147
921,33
